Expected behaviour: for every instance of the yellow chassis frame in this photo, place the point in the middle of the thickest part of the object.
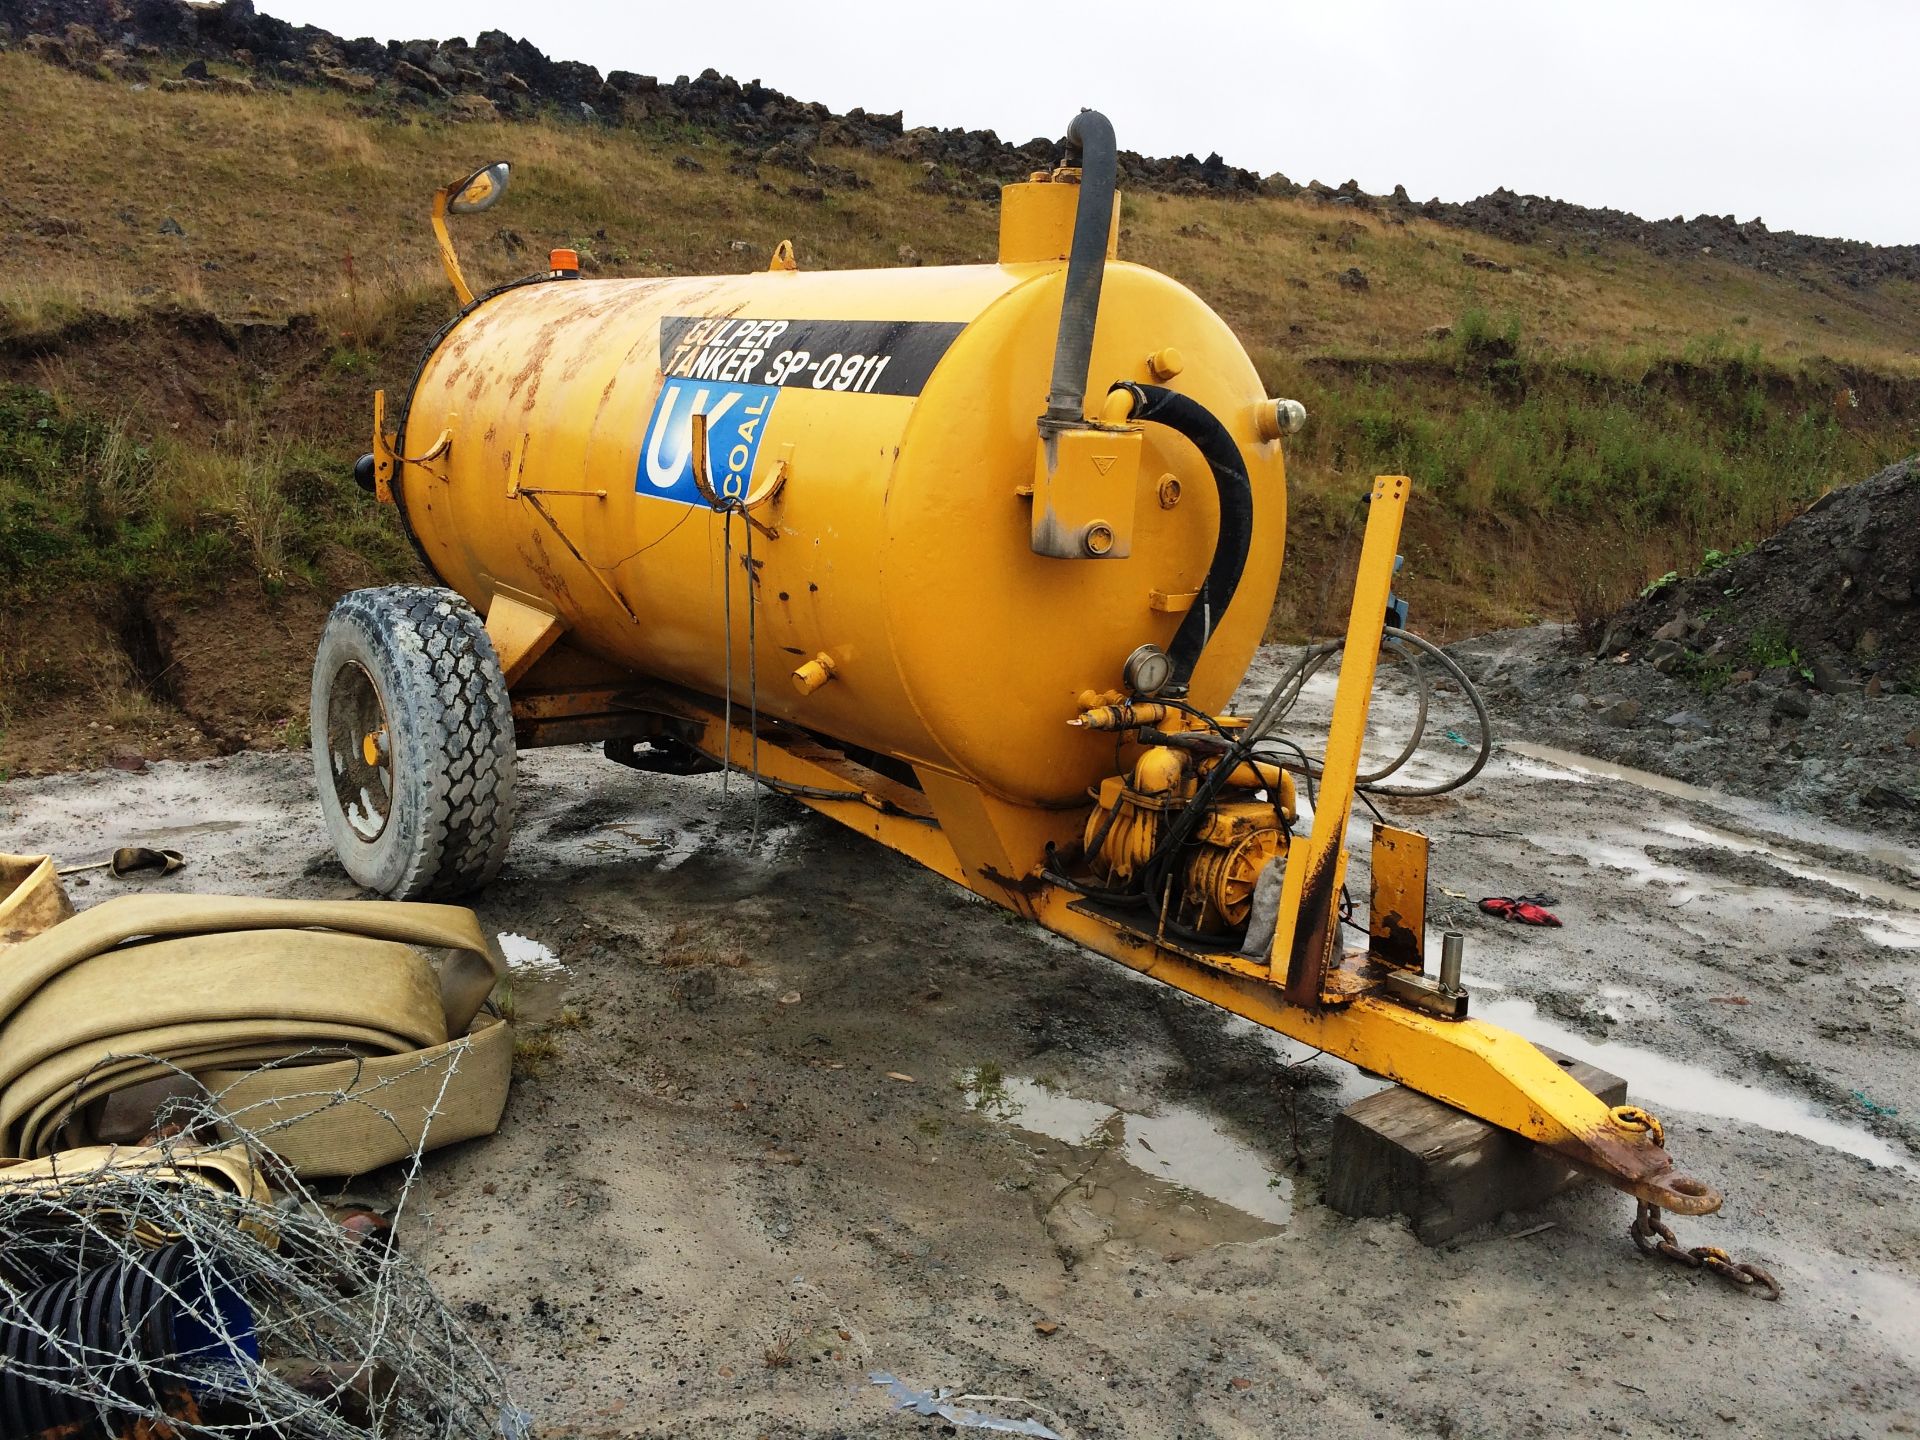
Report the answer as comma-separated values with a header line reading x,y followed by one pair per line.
x,y
1375,1007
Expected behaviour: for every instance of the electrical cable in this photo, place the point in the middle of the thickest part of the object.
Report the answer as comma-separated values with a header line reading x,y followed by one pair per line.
x,y
753,665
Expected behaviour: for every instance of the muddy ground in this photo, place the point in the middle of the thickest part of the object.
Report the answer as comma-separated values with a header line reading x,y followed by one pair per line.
x,y
800,1111
1850,757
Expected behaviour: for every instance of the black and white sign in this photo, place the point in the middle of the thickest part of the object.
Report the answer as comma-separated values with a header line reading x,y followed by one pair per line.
x,y
856,357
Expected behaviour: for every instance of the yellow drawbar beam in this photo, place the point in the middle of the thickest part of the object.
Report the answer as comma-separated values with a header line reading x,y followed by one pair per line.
x,y
958,831
1308,933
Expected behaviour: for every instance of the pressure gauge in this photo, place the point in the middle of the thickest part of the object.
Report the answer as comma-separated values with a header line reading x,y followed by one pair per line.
x,y
1147,670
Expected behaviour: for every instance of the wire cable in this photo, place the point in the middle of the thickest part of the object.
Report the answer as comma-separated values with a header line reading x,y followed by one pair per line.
x,y
1286,692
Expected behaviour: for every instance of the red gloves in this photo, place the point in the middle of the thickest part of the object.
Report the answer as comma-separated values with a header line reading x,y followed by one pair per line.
x,y
1523,910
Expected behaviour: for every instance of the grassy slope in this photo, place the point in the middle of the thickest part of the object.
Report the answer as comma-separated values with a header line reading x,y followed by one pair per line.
x,y
1624,411
279,190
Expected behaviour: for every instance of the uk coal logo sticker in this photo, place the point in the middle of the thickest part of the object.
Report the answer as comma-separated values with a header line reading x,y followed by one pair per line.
x,y
736,422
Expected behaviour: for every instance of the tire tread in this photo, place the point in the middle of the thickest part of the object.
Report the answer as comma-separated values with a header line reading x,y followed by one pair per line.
x,y
442,686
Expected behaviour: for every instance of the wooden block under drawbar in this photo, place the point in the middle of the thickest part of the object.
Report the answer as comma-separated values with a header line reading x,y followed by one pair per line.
x,y
1402,1153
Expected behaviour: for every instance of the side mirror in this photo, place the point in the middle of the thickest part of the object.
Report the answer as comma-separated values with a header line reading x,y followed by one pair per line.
x,y
479,191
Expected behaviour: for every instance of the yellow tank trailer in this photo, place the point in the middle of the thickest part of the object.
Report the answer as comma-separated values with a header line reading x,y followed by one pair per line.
x,y
940,557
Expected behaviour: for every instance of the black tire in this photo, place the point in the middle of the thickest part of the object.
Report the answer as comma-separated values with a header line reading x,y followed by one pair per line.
x,y
412,742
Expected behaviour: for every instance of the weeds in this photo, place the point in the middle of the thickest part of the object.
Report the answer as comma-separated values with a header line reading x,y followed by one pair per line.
x,y
1709,677
1770,649
35,307
503,999
694,943
85,504
1595,591
128,707
985,1087
533,1053
1703,461
1483,339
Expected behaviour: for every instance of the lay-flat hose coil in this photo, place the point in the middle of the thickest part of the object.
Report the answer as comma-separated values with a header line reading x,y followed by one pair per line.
x,y
147,987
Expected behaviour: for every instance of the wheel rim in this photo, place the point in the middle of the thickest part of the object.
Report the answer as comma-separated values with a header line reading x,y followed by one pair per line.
x,y
359,751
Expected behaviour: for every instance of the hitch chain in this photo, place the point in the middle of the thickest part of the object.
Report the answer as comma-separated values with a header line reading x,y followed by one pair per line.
x,y
1655,1237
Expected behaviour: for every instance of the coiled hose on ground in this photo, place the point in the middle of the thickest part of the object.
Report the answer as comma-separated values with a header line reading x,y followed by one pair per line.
x,y
1410,648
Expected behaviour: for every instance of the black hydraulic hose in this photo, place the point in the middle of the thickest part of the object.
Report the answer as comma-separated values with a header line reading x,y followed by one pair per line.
x,y
1198,424
1090,142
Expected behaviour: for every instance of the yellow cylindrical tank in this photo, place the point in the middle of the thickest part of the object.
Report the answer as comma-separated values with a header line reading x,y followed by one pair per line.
x,y
897,602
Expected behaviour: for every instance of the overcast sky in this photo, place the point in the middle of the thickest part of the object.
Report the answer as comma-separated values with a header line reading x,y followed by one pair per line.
x,y
1802,112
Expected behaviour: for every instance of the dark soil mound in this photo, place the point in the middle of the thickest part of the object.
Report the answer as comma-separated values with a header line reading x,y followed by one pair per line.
x,y
1835,595
1790,673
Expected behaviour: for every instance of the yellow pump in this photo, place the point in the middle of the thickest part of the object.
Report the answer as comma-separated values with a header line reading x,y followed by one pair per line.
x,y
968,558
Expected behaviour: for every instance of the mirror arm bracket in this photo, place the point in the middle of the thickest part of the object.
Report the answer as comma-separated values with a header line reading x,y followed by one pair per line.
x,y
449,261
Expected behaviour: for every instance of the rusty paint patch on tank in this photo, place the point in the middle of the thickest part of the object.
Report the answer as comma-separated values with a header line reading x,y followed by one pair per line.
x,y
534,553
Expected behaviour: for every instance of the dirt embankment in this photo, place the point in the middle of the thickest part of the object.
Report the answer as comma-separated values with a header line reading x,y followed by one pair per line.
x,y
137,655
1791,671
148,676
1834,594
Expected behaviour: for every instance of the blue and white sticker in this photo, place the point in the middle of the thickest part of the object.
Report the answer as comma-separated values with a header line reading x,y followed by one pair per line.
x,y
736,422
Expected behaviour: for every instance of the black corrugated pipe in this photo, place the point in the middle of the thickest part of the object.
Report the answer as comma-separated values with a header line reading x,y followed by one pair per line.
x,y
1187,417
128,1337
1090,143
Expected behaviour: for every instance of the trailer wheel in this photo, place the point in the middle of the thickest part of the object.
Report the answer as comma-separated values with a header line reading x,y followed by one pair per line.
x,y
412,742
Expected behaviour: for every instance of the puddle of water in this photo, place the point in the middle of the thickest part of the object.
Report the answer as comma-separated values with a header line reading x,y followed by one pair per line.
x,y
533,991
1178,1153
1892,934
1794,863
1570,765
528,957
1895,932
1657,1080
1587,767
1520,765
1642,868
730,837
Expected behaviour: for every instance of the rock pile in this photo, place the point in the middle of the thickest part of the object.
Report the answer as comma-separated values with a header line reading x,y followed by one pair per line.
x,y
1535,219
1834,594
1789,672
498,76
